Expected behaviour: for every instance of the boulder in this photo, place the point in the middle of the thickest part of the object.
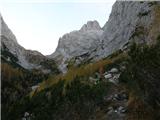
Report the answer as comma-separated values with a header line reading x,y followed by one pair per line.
x,y
93,80
35,87
114,70
121,109
26,114
115,79
108,76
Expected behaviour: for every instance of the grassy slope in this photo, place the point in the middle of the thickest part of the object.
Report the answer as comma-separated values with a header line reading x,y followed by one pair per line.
x,y
141,80
82,71
70,96
66,90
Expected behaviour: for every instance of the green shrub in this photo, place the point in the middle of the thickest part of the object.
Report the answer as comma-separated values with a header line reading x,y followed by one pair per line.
x,y
78,102
142,77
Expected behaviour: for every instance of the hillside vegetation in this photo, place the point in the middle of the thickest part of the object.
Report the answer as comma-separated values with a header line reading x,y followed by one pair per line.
x,y
85,70
72,96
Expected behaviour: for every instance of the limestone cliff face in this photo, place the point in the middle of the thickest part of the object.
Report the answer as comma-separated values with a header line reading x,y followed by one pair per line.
x,y
78,44
129,21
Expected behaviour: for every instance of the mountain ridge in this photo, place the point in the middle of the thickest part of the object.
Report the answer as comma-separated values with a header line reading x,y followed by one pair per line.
x,y
28,59
91,42
112,73
77,43
140,25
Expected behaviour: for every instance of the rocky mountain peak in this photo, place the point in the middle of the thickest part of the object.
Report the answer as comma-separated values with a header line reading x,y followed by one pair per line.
x,y
129,21
91,25
5,31
77,44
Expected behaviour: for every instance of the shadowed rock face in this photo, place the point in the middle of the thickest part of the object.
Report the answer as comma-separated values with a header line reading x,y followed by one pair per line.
x,y
28,59
129,21
24,56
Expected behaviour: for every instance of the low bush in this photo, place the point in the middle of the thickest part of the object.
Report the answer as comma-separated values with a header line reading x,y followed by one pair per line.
x,y
79,101
142,77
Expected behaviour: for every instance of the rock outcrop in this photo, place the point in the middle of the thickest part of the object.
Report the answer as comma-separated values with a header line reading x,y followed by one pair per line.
x,y
129,21
78,44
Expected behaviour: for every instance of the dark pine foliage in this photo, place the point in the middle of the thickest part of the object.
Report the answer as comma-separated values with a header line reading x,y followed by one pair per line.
x,y
74,101
142,75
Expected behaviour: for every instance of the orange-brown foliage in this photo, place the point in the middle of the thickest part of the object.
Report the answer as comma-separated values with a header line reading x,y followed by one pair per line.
x,y
73,72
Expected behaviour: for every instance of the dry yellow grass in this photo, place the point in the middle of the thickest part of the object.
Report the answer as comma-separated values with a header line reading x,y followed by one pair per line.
x,y
9,71
85,70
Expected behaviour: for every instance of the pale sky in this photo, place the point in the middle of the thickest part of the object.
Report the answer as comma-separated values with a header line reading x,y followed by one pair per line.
x,y
38,24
